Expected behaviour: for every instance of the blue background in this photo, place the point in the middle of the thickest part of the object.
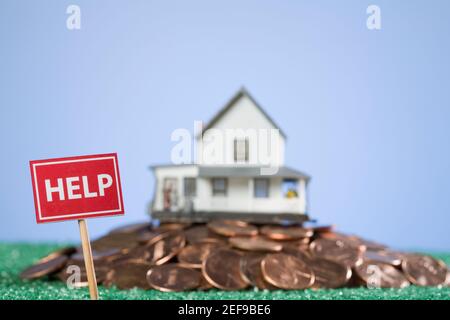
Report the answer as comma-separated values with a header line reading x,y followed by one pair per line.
x,y
366,112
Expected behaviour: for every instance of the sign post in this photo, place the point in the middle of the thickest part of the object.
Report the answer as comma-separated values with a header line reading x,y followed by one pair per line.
x,y
76,188
88,261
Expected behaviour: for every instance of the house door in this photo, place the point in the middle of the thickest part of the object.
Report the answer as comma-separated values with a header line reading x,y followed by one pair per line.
x,y
170,194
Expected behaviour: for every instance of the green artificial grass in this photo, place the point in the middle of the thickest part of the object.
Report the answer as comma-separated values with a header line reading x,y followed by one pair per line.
x,y
15,257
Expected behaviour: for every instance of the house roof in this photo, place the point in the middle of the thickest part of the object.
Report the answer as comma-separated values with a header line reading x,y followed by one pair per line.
x,y
246,171
209,171
241,93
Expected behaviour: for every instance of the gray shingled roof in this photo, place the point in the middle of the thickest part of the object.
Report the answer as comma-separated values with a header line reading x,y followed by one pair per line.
x,y
244,171
242,92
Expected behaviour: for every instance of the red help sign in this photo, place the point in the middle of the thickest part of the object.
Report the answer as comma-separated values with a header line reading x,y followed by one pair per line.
x,y
76,187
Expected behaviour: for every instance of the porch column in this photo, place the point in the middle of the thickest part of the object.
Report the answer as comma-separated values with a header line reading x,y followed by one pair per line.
x,y
302,195
250,195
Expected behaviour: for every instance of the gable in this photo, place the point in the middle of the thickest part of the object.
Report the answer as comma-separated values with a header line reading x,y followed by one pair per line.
x,y
242,112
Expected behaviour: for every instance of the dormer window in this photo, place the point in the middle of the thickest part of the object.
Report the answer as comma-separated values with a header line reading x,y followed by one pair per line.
x,y
240,150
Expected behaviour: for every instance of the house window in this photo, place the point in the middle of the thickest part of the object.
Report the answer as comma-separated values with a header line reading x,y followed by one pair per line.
x,y
290,188
241,150
190,187
219,186
261,188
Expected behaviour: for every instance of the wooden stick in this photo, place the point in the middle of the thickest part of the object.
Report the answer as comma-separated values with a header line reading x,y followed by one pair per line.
x,y
88,261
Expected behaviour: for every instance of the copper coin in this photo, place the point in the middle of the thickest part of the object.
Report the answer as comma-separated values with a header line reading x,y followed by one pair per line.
x,y
173,277
424,270
285,271
132,228
339,250
157,251
370,245
285,233
118,240
97,255
127,275
384,256
164,247
301,244
301,253
232,228
221,269
204,284
322,228
192,256
350,240
447,280
140,253
380,275
147,237
45,266
251,270
66,251
329,273
255,244
201,233
172,226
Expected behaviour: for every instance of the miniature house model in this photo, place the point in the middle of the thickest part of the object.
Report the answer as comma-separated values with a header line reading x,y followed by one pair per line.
x,y
238,173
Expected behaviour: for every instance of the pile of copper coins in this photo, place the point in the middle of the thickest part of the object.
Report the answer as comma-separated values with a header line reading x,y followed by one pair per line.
x,y
236,255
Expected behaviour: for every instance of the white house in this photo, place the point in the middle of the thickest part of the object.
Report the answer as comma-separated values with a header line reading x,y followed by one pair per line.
x,y
238,173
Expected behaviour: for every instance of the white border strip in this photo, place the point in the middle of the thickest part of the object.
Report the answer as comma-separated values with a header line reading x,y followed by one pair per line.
x,y
119,196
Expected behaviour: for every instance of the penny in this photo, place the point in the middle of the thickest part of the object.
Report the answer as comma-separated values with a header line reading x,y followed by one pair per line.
x,y
322,228
332,234
45,266
158,250
149,236
66,251
380,275
255,244
118,240
251,271
232,228
201,233
221,269
348,239
128,275
301,244
301,253
285,271
384,256
97,255
132,228
164,247
173,277
172,226
447,280
204,284
329,273
192,256
370,245
424,270
285,233
339,250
